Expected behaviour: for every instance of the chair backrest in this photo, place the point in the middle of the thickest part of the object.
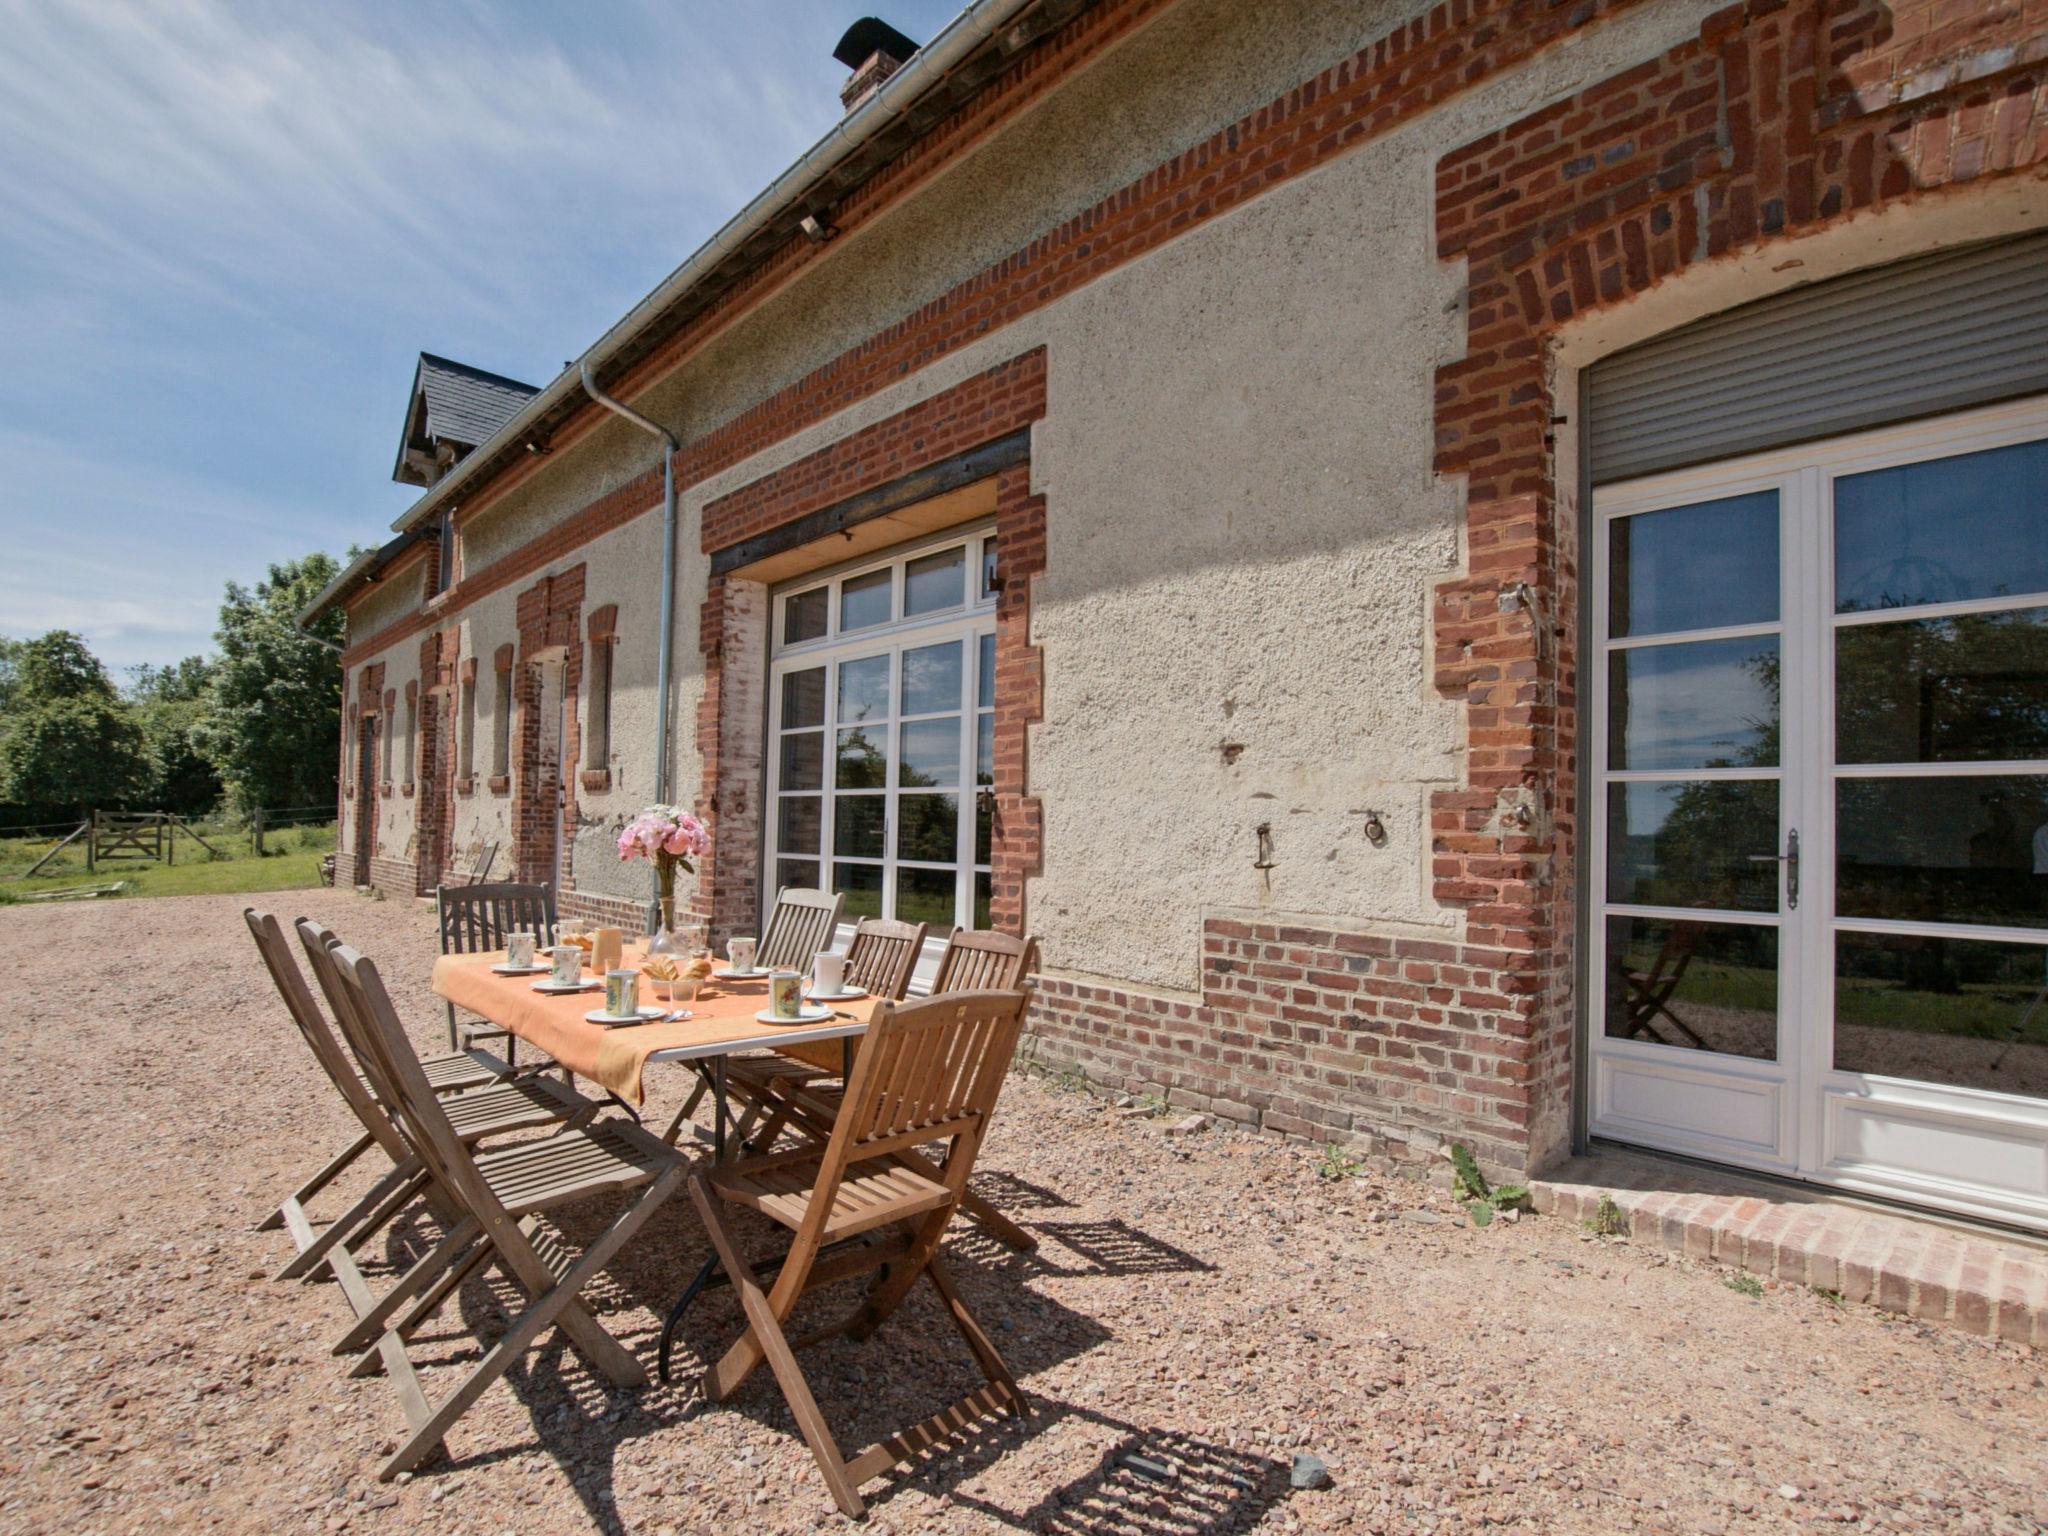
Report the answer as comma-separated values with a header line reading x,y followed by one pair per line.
x,y
883,954
979,960
420,1114
477,917
320,943
314,1030
927,1071
801,925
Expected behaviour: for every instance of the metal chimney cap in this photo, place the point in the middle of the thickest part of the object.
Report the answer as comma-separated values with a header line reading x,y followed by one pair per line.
x,y
869,36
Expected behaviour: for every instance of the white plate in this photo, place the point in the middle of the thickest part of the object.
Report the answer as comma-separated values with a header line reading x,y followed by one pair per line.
x,y
806,1016
646,1015
587,984
504,969
754,974
846,995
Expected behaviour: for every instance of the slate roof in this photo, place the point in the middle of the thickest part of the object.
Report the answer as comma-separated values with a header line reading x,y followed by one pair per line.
x,y
452,402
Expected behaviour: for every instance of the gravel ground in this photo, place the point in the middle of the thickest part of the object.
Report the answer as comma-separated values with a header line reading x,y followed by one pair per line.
x,y
1205,1308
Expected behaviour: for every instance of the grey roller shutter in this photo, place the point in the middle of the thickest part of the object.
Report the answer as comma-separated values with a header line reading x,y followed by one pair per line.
x,y
1935,333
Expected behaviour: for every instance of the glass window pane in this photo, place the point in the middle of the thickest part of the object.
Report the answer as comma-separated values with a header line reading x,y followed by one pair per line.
x,y
931,678
804,614
926,896
797,822
803,698
931,753
1695,986
928,828
861,885
1968,689
803,760
796,874
1975,525
988,567
1711,704
1965,1012
985,750
985,674
864,689
864,600
984,825
1948,850
1697,567
982,891
1689,845
861,761
933,582
857,822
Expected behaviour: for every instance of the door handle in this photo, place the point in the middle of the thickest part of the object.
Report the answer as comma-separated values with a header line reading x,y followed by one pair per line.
x,y
1790,859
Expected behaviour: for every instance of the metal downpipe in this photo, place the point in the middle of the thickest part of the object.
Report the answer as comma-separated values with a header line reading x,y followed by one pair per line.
x,y
665,646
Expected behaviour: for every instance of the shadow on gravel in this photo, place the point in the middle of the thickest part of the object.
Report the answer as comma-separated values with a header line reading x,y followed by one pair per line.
x,y
1149,1479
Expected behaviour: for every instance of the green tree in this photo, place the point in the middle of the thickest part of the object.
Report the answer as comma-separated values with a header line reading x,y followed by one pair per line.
x,y
273,707
67,740
170,705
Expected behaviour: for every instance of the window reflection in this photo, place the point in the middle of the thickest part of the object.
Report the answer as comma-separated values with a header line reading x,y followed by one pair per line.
x,y
1693,844
1693,986
1967,849
1966,1012
1699,567
1944,530
1973,688
1708,704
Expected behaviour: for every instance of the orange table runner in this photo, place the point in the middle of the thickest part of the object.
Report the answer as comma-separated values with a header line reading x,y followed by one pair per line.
x,y
723,1014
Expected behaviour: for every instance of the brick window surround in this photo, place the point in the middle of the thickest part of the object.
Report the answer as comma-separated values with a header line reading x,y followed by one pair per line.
x,y
547,615
733,630
602,629
503,719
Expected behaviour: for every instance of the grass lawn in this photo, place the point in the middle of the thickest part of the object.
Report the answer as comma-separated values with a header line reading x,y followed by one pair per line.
x,y
291,862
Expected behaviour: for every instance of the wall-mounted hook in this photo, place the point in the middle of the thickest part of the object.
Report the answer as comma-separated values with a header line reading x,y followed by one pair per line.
x,y
1375,829
1265,836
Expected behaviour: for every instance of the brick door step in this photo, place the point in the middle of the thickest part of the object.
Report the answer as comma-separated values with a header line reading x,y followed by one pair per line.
x,y
1926,1269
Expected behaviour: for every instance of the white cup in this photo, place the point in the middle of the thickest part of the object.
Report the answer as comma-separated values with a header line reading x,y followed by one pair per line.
x,y
567,963
828,975
519,948
741,953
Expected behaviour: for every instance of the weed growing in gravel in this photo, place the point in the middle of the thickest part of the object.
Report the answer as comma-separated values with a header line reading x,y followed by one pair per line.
x,y
1744,1285
1827,1295
1607,1220
1480,1198
1337,1164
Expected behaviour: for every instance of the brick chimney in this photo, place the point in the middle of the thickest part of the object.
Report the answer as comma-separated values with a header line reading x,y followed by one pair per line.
x,y
874,51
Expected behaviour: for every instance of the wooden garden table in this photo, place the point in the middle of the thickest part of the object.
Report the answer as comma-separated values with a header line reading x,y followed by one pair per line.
x,y
722,1021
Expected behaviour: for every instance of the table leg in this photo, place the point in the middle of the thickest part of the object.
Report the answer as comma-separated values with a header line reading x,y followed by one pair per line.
x,y
718,1110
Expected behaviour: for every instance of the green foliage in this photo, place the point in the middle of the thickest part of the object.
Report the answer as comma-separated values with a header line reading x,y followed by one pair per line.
x,y
1480,1198
170,705
1744,1284
1607,1219
59,665
78,751
274,715
1338,1163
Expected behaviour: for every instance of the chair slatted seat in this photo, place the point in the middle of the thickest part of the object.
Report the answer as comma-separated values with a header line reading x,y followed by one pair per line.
x,y
478,917
929,1073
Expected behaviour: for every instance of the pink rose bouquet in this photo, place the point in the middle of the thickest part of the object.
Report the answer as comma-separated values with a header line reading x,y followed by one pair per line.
x,y
671,837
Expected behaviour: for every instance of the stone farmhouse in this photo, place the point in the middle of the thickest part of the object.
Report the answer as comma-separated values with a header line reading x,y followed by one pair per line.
x,y
1474,571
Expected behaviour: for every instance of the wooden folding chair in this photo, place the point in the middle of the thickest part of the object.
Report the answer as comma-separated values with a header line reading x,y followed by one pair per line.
x,y
475,1077
928,1073
518,1104
500,1194
977,959
800,927
476,917
1650,992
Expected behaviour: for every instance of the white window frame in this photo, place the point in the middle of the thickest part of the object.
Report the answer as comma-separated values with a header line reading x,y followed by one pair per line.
x,y
967,623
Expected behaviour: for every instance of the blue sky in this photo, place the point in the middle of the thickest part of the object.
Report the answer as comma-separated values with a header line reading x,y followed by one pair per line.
x,y
227,231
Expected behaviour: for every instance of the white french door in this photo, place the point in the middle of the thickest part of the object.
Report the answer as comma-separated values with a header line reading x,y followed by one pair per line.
x,y
881,736
1819,812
